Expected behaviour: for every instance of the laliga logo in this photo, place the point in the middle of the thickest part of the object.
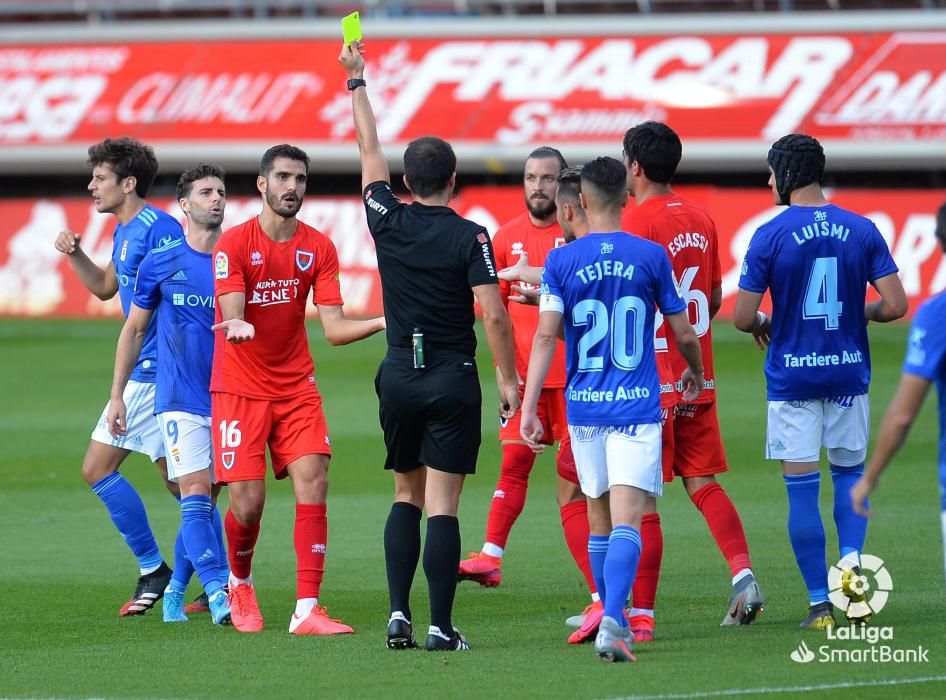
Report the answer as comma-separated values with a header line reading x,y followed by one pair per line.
x,y
860,595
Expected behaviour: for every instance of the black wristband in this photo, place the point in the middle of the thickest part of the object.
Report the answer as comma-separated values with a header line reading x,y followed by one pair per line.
x,y
356,83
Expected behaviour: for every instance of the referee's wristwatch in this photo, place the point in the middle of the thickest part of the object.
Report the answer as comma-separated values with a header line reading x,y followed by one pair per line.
x,y
356,83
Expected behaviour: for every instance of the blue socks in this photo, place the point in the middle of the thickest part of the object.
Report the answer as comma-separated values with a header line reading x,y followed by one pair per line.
x,y
806,532
200,540
597,551
183,569
128,514
852,528
620,568
217,523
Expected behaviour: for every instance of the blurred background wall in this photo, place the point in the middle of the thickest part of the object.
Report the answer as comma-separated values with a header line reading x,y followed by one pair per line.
x,y
222,80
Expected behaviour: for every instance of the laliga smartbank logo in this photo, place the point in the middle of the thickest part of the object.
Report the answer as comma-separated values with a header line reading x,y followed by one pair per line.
x,y
859,594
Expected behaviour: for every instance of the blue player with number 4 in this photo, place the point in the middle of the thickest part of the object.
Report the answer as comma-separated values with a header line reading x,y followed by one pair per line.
x,y
816,259
177,281
605,288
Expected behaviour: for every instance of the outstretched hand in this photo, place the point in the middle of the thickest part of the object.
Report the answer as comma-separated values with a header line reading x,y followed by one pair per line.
x,y
513,273
528,296
237,330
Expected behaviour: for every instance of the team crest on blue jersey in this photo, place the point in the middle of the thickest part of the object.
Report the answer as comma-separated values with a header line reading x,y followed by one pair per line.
x,y
227,459
304,259
124,251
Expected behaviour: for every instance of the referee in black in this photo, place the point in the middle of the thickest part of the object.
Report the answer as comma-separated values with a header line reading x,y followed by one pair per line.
x,y
432,263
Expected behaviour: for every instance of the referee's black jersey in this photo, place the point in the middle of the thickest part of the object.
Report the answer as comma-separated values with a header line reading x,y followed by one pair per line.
x,y
429,258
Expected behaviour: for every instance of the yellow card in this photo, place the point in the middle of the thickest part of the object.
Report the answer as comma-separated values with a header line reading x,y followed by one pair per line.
x,y
351,28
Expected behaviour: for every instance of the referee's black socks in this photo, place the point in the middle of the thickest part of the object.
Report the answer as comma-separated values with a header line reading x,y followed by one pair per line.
x,y
401,553
441,563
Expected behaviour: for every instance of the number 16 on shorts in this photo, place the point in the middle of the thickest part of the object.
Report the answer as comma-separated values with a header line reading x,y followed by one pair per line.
x,y
230,438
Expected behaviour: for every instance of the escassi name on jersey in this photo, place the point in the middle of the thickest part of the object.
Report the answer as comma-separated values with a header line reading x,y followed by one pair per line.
x,y
620,394
813,359
605,268
687,240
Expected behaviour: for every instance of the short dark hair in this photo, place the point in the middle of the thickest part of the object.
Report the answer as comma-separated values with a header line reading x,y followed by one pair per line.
x,y
569,184
185,183
941,226
608,177
549,152
429,162
127,157
656,148
283,150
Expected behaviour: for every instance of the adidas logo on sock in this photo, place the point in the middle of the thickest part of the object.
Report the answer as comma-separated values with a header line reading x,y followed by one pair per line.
x,y
208,554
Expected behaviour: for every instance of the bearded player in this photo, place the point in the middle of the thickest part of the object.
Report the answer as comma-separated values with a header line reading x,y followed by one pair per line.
x,y
532,235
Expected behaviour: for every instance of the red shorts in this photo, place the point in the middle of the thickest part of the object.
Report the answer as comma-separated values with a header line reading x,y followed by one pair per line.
x,y
697,443
551,411
243,427
565,461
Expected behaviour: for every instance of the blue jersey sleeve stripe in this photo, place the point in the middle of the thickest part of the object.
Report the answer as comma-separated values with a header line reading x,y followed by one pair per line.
x,y
168,246
148,216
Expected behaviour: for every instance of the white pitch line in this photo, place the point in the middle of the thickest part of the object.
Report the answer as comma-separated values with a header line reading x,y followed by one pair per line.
x,y
790,689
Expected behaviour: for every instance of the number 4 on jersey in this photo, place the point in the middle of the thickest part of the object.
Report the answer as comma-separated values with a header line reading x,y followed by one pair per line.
x,y
821,297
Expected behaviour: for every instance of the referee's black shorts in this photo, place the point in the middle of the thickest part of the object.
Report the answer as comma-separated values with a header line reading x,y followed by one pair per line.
x,y
430,416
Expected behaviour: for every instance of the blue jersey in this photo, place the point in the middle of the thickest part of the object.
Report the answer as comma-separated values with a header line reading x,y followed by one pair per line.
x,y
926,356
178,282
150,229
607,286
816,262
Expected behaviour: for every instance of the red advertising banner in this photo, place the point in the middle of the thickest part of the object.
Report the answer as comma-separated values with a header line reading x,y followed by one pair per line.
x,y
495,92
35,280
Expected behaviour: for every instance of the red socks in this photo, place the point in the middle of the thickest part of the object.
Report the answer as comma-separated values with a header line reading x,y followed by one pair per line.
x,y
644,592
310,536
575,524
725,525
240,543
510,496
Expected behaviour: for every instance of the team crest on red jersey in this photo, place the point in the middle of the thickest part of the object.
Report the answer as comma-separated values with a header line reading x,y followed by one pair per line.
x,y
304,259
227,459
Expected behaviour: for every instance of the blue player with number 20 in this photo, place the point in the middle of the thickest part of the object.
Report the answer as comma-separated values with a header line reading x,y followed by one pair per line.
x,y
606,287
816,259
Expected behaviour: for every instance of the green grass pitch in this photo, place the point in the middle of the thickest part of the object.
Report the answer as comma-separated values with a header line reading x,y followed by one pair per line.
x,y
64,571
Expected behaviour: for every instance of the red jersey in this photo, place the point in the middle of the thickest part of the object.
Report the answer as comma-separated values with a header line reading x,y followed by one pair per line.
x,y
276,278
512,240
689,236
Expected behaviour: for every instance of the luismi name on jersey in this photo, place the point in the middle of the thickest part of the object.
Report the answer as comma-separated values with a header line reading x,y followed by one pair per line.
x,y
270,292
